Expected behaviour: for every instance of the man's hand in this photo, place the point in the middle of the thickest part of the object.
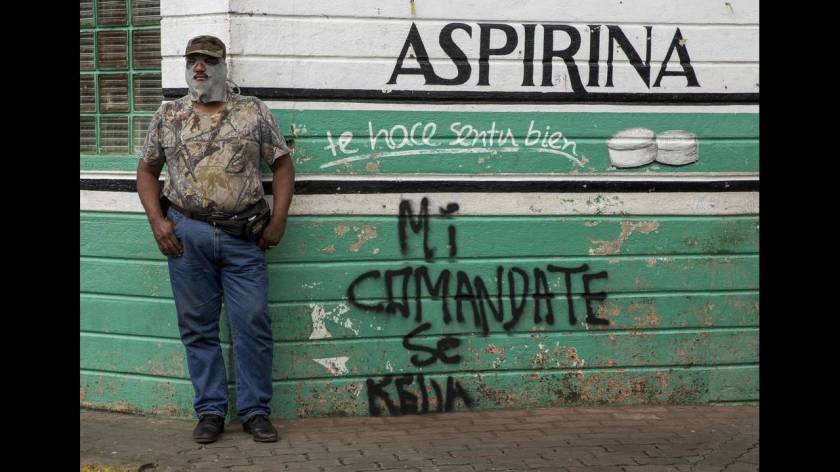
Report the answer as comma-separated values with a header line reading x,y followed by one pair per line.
x,y
282,188
167,242
272,234
149,191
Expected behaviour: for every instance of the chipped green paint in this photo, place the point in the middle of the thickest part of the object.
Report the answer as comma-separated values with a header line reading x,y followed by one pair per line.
x,y
308,282
681,313
109,314
488,390
540,351
325,238
135,394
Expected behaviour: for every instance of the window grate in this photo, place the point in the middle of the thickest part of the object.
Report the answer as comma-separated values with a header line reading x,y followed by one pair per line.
x,y
119,74
86,54
113,93
113,134
145,12
85,13
140,127
87,93
111,13
112,50
87,134
146,49
147,92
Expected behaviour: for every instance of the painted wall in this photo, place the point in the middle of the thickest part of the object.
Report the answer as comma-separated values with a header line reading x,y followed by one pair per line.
x,y
471,230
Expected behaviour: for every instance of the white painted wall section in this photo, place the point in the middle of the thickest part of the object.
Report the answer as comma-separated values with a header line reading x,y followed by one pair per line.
x,y
356,45
665,11
545,204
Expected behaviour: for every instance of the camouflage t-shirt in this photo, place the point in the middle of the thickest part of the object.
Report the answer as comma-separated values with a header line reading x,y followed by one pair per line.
x,y
213,159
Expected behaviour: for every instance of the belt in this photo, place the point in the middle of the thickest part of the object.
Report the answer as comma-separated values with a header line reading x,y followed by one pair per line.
x,y
207,217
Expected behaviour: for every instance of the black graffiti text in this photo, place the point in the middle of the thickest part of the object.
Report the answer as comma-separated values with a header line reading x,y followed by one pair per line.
x,y
420,223
410,403
400,291
436,353
615,36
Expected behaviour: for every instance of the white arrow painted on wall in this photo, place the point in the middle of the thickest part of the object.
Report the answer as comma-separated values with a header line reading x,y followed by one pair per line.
x,y
334,365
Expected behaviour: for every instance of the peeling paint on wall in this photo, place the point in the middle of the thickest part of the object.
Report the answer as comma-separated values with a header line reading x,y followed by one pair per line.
x,y
334,365
366,234
336,315
603,248
319,330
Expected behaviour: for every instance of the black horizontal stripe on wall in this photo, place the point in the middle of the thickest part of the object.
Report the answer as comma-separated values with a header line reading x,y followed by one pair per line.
x,y
329,187
468,96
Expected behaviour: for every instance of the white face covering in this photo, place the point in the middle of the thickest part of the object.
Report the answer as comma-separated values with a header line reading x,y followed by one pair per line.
x,y
214,88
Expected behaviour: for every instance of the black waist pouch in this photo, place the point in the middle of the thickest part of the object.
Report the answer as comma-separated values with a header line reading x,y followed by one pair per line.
x,y
247,224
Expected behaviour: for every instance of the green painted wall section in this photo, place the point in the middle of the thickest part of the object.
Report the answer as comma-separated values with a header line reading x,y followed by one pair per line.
x,y
370,238
114,314
728,142
294,360
681,315
309,282
492,390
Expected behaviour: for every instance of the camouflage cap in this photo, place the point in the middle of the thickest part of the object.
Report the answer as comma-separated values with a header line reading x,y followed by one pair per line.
x,y
209,45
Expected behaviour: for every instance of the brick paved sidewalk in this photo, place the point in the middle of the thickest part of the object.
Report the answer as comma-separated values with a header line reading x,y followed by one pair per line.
x,y
685,438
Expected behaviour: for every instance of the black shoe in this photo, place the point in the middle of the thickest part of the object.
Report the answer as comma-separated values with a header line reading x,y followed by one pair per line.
x,y
260,428
208,429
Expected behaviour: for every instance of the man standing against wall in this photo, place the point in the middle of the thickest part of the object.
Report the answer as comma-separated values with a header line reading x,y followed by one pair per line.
x,y
216,230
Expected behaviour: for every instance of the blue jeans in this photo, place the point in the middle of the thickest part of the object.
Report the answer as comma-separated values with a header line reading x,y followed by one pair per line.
x,y
214,268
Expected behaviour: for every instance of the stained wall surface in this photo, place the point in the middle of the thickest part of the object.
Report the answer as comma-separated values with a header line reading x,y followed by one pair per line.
x,y
515,205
